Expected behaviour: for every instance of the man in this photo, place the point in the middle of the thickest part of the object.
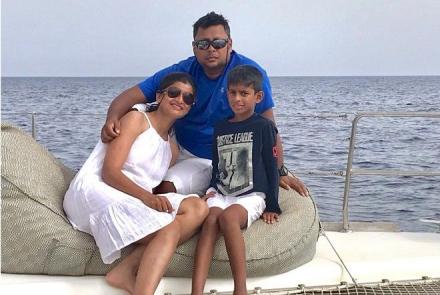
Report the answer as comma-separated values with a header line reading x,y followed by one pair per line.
x,y
213,59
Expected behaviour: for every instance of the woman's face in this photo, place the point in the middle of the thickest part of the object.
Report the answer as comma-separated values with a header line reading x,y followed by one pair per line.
x,y
177,99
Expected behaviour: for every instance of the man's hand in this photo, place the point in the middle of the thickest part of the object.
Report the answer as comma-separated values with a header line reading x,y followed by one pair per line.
x,y
289,181
159,203
270,217
110,130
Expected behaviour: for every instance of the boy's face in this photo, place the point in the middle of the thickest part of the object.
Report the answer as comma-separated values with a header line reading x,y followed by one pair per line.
x,y
243,99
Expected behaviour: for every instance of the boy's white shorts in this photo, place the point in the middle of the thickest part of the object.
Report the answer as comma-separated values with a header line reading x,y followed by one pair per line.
x,y
253,203
190,174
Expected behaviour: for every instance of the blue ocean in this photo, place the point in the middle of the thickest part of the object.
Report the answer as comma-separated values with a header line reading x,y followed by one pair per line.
x,y
314,117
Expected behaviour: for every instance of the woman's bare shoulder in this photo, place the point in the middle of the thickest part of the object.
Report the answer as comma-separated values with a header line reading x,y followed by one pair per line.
x,y
135,120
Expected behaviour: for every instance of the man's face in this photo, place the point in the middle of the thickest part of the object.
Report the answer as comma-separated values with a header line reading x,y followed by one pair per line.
x,y
212,59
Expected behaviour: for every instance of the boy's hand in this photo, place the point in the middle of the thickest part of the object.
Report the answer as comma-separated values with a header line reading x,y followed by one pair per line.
x,y
208,195
270,217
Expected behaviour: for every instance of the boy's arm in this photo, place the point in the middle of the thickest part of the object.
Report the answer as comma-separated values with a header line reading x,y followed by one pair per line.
x,y
270,165
288,181
213,182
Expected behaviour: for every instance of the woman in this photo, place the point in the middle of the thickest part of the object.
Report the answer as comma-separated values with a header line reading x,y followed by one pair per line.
x,y
111,196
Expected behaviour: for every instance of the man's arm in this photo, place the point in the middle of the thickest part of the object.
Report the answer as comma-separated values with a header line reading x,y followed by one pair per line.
x,y
118,108
286,182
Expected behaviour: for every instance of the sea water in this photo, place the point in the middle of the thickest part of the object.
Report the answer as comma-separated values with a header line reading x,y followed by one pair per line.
x,y
314,117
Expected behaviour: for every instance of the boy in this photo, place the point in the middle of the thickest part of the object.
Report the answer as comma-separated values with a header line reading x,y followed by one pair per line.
x,y
244,183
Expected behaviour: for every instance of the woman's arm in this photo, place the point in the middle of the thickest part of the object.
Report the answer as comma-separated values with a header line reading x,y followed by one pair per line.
x,y
132,125
174,151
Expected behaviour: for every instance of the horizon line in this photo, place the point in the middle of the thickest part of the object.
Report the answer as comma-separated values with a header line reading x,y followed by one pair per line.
x,y
274,76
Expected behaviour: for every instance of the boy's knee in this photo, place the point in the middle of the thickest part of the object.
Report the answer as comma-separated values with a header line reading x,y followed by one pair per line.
x,y
228,220
211,220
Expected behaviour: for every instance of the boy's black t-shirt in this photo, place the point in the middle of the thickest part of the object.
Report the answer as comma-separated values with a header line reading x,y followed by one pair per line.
x,y
244,159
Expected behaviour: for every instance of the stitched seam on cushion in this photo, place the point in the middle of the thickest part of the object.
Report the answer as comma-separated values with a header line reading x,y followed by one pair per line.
x,y
35,200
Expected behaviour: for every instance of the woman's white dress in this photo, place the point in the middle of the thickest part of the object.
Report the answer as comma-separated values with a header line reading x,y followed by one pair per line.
x,y
114,218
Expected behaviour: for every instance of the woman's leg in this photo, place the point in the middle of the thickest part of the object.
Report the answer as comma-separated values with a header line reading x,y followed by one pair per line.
x,y
159,251
204,250
156,257
191,214
232,220
123,275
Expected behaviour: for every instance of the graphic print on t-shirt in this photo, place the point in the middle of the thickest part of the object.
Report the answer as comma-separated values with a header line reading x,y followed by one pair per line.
x,y
235,163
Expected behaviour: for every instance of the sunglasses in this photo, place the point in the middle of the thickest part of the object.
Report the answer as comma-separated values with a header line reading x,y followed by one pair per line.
x,y
204,44
174,92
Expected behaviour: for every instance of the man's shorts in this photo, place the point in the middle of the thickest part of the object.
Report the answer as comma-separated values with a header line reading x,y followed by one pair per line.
x,y
253,203
190,174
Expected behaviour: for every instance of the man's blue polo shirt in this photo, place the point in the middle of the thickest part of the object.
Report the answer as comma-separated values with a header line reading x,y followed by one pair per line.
x,y
194,131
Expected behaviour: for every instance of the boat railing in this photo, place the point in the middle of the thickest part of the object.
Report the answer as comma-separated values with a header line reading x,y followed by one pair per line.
x,y
309,172
349,172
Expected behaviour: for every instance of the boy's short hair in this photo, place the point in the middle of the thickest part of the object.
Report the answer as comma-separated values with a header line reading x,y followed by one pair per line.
x,y
211,19
246,75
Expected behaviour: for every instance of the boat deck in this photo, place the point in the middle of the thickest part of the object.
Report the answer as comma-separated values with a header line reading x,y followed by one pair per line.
x,y
368,256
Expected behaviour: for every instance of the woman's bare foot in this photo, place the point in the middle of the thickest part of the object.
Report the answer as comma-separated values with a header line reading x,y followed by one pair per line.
x,y
122,278
123,275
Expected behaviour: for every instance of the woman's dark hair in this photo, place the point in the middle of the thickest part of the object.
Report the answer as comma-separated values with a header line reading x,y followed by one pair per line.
x,y
169,80
177,77
211,19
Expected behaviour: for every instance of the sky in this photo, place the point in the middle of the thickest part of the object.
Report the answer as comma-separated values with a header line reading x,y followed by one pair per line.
x,y
286,37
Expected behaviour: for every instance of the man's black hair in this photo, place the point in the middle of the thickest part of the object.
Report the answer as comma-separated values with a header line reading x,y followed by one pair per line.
x,y
246,75
211,19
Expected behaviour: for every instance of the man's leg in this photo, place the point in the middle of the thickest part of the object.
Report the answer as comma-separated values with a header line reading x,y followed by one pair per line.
x,y
231,221
204,250
190,175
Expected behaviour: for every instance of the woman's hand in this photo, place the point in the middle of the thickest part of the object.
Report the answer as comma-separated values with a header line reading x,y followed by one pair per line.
x,y
159,203
270,217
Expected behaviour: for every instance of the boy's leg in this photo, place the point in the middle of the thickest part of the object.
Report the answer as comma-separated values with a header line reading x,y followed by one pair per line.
x,y
204,250
231,221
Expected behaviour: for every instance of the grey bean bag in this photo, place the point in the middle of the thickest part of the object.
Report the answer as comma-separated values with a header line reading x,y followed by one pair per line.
x,y
37,238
